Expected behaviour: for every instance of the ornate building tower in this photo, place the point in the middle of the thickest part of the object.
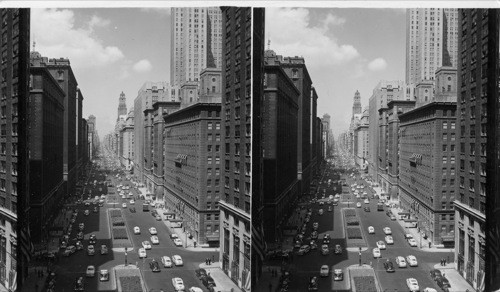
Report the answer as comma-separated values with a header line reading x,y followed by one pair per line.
x,y
122,106
356,107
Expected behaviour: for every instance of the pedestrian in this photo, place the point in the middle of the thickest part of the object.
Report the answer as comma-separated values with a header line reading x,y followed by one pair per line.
x,y
213,258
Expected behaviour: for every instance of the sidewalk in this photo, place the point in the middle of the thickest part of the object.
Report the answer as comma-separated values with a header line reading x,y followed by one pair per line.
x,y
266,278
222,281
33,282
457,282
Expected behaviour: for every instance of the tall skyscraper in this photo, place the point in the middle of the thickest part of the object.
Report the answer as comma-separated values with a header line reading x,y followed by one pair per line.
x,y
14,159
122,106
236,120
477,107
196,42
431,42
356,106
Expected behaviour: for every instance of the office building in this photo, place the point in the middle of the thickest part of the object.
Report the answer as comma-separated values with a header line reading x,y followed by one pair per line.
x,y
196,42
476,105
279,131
431,42
236,125
14,178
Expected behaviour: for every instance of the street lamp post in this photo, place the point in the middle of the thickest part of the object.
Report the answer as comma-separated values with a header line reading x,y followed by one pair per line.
x,y
360,256
126,256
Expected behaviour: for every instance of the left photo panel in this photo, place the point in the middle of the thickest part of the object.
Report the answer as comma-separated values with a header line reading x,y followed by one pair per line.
x,y
126,149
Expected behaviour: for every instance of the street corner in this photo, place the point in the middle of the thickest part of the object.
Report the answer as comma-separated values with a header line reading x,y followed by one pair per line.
x,y
363,278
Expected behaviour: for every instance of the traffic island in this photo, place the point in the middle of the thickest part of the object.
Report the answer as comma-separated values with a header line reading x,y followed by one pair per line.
x,y
129,279
363,279
353,232
118,230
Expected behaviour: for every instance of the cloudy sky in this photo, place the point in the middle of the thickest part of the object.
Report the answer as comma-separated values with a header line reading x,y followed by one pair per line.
x,y
345,49
110,49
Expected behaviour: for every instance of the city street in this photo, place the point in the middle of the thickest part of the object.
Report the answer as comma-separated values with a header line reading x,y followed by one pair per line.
x,y
69,268
302,267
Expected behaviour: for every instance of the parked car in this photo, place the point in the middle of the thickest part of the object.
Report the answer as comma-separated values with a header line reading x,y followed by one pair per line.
x,y
90,272
338,249
324,249
412,242
435,274
338,275
104,249
90,250
324,271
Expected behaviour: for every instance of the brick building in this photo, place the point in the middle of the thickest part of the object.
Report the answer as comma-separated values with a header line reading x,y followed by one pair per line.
x,y
279,131
46,146
236,120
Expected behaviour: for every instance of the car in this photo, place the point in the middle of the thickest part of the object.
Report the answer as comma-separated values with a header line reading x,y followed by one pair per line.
x,y
200,273
153,231
358,205
92,239
314,235
313,284
132,202
389,239
155,266
86,212
146,244
104,249
326,239
324,271
367,201
367,209
178,284
79,284
79,245
412,261
443,283
103,275
324,249
320,211
69,250
315,225
124,205
137,230
389,267
435,274
412,284
90,272
96,210
177,260
408,236
81,226
387,230
321,203
381,244
371,230
304,249
338,275
401,262
155,240
158,218
430,290
412,242
166,261
142,253
174,236
376,252
177,242
90,250
195,289
338,249
330,209
393,218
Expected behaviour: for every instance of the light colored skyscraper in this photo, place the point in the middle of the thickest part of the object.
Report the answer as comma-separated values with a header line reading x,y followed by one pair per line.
x,y
196,42
431,42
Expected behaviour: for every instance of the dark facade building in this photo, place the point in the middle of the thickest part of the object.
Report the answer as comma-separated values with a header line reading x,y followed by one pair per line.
x,y
236,119
258,243
476,121
14,145
296,69
46,146
193,167
62,72
80,163
279,131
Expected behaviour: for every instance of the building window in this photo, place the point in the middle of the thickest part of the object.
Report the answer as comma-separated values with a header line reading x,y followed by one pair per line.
x,y
217,125
209,160
471,185
209,148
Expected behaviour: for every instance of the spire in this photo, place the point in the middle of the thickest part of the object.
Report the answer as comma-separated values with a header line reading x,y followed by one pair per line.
x,y
269,44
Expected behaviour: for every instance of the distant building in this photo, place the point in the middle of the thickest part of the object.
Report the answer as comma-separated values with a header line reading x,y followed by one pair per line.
x,y
236,189
127,134
122,105
361,141
326,135
150,93
279,132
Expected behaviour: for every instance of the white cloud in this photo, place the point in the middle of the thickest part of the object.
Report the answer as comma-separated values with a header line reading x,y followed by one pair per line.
x,y
56,36
291,34
161,10
143,66
378,64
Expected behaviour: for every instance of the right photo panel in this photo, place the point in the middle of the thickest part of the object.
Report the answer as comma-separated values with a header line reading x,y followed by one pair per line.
x,y
375,161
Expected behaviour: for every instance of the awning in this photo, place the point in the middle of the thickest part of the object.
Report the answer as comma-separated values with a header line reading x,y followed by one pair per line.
x,y
447,238
212,238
